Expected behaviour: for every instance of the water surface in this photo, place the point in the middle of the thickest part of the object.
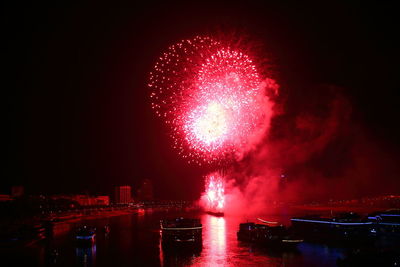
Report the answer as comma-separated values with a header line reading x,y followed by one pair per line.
x,y
134,240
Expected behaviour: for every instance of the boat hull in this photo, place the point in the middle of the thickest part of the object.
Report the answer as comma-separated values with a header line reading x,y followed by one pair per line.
x,y
327,231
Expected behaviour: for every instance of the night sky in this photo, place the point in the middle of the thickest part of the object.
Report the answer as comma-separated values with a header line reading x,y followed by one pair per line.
x,y
76,101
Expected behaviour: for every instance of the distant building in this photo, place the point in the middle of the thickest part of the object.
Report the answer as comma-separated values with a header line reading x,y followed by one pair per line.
x,y
145,192
85,200
123,194
17,191
103,200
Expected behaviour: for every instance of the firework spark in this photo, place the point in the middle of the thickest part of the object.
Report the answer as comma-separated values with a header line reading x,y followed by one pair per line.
x,y
212,97
215,193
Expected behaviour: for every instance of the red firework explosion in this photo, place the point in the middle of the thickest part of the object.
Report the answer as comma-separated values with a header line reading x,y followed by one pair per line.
x,y
215,193
211,96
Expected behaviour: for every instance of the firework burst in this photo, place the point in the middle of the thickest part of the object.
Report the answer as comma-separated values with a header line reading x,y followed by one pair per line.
x,y
214,193
211,96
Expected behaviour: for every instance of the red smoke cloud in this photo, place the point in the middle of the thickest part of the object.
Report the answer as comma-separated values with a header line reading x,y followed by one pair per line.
x,y
314,151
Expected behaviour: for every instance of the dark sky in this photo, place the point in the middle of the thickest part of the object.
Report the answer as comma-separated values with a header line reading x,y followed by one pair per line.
x,y
77,109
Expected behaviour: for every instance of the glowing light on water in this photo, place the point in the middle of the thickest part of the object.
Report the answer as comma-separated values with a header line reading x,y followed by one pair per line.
x,y
215,246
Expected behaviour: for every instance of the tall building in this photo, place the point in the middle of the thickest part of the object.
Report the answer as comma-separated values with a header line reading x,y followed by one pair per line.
x,y
123,194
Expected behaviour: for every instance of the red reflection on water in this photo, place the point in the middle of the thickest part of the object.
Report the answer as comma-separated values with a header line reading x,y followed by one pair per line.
x,y
215,232
161,252
141,212
86,255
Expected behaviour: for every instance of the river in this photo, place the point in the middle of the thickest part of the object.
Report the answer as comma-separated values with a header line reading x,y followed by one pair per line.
x,y
134,240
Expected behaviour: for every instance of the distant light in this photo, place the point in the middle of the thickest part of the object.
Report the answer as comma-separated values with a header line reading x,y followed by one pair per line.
x,y
84,237
330,222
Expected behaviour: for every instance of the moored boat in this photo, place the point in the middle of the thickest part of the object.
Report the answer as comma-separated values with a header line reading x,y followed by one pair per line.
x,y
268,234
386,223
215,213
342,228
85,235
181,231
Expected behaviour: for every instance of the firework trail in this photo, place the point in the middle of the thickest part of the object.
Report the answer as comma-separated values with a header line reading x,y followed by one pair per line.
x,y
211,96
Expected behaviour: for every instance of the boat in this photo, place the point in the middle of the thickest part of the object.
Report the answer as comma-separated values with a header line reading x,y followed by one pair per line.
x,y
85,235
341,228
215,213
268,234
181,231
386,223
